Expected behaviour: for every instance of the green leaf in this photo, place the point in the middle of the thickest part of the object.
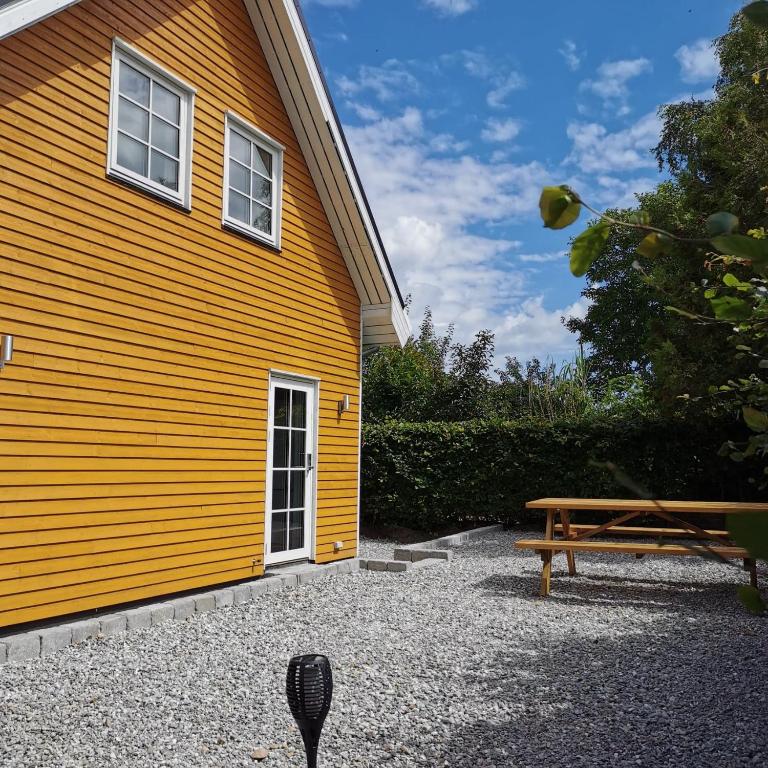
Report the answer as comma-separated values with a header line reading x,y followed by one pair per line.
x,y
733,282
558,207
731,309
752,600
653,245
643,218
755,419
742,247
588,246
750,530
757,13
722,223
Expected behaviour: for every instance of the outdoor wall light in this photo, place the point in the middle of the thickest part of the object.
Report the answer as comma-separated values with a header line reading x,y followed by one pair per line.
x,y
6,350
344,404
309,687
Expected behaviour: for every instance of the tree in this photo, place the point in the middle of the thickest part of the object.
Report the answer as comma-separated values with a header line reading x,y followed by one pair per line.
x,y
430,379
715,152
736,292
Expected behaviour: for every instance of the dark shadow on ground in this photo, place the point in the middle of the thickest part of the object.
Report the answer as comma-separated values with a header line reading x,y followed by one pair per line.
x,y
683,683
595,590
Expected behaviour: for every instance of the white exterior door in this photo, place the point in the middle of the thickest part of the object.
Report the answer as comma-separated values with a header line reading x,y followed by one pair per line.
x,y
291,444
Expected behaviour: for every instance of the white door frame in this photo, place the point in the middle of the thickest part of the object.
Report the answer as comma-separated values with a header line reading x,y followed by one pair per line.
x,y
310,385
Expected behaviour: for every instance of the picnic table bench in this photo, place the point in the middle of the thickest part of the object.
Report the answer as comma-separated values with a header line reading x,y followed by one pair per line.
x,y
580,538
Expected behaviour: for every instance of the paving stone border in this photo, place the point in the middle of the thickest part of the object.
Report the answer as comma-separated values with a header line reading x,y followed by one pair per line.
x,y
395,566
41,642
427,552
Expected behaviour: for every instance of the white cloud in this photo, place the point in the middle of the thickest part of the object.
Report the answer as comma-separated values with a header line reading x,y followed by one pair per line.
x,y
572,55
595,150
444,142
386,82
504,86
530,330
451,7
501,131
477,64
610,85
612,192
698,62
364,111
437,215
502,77
543,258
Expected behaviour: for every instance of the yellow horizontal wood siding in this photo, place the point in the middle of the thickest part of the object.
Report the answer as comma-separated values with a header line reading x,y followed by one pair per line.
x,y
133,418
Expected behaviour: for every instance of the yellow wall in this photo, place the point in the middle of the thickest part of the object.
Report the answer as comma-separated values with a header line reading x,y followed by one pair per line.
x,y
133,416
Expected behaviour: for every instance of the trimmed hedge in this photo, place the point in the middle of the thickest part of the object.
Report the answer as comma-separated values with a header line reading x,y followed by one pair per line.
x,y
434,475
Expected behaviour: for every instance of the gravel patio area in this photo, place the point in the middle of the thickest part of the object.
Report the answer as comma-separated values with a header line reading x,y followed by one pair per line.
x,y
633,663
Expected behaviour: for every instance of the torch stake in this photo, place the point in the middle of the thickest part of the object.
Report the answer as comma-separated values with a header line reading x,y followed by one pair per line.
x,y
309,687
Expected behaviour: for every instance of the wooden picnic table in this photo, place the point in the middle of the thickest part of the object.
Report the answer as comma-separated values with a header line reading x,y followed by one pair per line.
x,y
580,538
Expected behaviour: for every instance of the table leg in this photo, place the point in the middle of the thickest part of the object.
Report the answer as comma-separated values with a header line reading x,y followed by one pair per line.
x,y
565,519
546,570
752,567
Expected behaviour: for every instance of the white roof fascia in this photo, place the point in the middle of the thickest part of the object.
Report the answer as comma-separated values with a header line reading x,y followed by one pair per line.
x,y
24,13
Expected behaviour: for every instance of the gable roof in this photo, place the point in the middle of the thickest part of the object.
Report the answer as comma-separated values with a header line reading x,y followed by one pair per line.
x,y
292,58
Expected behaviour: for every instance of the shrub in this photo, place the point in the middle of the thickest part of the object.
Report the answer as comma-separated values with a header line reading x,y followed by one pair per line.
x,y
434,475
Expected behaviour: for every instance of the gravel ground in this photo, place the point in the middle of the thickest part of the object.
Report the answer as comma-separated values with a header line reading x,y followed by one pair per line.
x,y
377,549
632,663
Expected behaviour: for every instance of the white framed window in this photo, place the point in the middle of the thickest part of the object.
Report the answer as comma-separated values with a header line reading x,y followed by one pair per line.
x,y
253,181
150,126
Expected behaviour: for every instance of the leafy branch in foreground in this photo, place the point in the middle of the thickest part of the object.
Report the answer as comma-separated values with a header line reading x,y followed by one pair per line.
x,y
735,292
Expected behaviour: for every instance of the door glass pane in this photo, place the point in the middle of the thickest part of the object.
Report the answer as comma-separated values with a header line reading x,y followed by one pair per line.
x,y
166,103
239,207
133,120
262,162
132,154
280,452
165,171
298,443
299,413
278,537
240,148
133,84
282,404
262,189
296,532
165,136
279,489
297,488
262,218
239,177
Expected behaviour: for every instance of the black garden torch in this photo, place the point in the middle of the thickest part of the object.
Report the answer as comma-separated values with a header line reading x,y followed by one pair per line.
x,y
309,687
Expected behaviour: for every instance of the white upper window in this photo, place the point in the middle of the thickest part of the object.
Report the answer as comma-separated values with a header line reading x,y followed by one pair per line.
x,y
253,170
150,127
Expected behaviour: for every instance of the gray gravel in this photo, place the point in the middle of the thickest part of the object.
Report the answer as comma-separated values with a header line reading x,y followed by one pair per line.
x,y
377,549
632,663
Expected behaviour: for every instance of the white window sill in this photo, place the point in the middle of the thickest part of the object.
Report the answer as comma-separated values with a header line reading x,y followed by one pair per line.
x,y
252,234
149,189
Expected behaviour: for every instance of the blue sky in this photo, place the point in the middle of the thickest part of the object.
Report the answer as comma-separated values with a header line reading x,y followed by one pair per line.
x,y
458,111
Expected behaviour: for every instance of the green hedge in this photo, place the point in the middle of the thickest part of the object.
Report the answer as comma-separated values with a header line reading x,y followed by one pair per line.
x,y
436,475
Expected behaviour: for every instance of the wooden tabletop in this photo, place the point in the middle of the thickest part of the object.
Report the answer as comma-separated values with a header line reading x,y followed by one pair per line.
x,y
645,505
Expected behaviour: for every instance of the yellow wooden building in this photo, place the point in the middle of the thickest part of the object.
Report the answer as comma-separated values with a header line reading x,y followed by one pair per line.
x,y
189,272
